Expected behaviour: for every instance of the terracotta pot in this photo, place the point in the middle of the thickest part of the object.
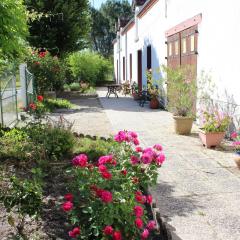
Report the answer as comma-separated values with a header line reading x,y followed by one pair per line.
x,y
154,103
237,161
211,139
183,125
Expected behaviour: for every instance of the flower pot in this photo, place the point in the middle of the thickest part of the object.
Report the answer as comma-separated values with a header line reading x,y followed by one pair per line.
x,y
183,125
237,160
136,96
154,103
211,139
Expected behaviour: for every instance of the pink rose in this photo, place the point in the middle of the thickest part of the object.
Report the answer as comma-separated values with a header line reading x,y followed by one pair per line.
x,y
68,197
134,160
149,199
151,225
117,235
138,222
67,206
234,135
138,149
138,210
106,175
105,159
124,172
102,168
74,233
145,234
158,147
136,141
133,134
108,230
146,158
106,196
80,160
160,159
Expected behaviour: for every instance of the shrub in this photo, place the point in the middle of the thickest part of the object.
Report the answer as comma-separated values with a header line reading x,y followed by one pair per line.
x,y
74,86
55,142
57,103
106,201
89,66
49,71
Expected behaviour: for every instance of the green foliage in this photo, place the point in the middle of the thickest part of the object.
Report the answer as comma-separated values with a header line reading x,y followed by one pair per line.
x,y
182,90
52,104
65,30
89,66
15,144
55,142
75,86
25,195
94,148
104,20
13,30
48,71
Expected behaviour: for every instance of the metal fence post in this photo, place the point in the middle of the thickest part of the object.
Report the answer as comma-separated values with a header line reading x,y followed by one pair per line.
x,y
22,70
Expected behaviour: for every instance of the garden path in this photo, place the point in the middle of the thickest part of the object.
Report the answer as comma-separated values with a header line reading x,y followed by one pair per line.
x,y
198,190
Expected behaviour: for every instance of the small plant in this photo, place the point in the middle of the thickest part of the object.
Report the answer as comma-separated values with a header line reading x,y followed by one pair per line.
x,y
23,197
74,86
236,143
106,201
52,104
182,90
214,121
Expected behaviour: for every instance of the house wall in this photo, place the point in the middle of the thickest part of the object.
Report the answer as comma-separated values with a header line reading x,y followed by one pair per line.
x,y
218,40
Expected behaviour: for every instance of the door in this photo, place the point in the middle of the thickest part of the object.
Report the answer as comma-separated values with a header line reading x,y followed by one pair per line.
x,y
182,52
139,57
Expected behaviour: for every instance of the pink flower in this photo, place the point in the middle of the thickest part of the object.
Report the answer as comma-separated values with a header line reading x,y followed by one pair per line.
x,y
134,160
67,206
124,172
138,222
106,175
136,141
80,160
158,147
105,159
138,210
140,198
138,149
234,135
74,233
145,234
106,196
40,98
117,235
149,199
120,137
102,168
237,143
160,159
108,230
151,225
68,197
133,134
146,158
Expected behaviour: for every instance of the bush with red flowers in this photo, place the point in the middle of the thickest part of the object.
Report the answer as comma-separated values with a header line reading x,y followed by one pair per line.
x,y
105,199
48,71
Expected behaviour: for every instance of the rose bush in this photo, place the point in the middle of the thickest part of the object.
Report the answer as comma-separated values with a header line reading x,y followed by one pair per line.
x,y
106,199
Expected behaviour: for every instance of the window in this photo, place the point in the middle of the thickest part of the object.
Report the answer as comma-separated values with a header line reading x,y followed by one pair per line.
x,y
149,57
130,63
192,43
170,49
184,45
176,47
123,68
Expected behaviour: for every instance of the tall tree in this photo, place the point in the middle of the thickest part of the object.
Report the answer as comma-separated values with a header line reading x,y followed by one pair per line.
x,y
13,29
104,20
65,29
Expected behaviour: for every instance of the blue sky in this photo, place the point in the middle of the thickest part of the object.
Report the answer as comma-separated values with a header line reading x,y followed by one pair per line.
x,y
97,3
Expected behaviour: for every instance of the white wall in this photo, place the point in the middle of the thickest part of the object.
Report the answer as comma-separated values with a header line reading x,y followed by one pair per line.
x,y
218,43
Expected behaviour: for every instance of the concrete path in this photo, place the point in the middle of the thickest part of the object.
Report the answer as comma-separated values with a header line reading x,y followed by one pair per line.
x,y
198,189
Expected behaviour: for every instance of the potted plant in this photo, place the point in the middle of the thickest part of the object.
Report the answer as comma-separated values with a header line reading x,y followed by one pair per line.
x,y
182,90
135,91
213,127
153,90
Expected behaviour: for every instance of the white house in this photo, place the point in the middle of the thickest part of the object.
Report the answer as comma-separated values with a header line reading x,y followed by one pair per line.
x,y
203,33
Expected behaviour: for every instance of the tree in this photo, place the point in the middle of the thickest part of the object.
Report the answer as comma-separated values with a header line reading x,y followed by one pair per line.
x,y
13,29
104,20
66,28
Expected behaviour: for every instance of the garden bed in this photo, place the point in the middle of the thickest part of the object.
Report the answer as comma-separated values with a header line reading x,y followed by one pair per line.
x,y
54,173
76,94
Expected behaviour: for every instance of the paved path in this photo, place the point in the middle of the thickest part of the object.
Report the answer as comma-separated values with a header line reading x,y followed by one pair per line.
x,y
198,189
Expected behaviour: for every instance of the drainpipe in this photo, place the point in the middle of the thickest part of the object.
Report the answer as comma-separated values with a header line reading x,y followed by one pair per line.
x,y
119,58
126,57
136,23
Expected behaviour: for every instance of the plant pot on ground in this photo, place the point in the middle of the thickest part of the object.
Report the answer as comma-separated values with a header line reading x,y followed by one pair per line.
x,y
236,138
182,93
214,124
154,103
